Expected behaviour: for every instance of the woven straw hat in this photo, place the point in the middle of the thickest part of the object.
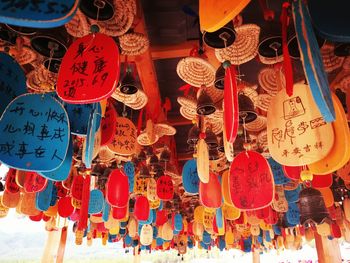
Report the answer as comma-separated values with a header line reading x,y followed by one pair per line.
x,y
105,155
330,61
196,71
163,129
264,101
144,140
121,21
268,80
262,140
133,44
25,56
257,125
245,47
41,80
79,26
135,101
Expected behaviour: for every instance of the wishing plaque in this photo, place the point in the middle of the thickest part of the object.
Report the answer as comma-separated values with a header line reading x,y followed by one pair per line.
x,y
251,181
34,133
296,131
89,70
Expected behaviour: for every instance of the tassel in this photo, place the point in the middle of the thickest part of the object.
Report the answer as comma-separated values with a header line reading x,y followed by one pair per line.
x,y
287,63
231,111
83,217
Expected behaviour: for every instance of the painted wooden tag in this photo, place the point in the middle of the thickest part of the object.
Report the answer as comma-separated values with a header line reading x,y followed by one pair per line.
x,y
20,178
190,179
12,80
117,189
327,196
77,187
251,181
312,61
340,152
108,127
213,15
208,218
167,231
92,142
3,209
291,185
297,133
277,171
140,185
177,222
225,188
161,217
65,207
132,227
141,208
125,138
34,182
146,235
120,213
10,200
28,205
89,70
165,187
293,214
42,14
210,193
322,181
230,212
279,202
96,202
203,161
228,147
292,196
10,183
43,198
152,190
34,132
62,172
129,171
79,115
292,172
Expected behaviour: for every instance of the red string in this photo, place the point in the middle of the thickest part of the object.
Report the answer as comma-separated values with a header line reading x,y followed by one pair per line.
x,y
288,70
139,122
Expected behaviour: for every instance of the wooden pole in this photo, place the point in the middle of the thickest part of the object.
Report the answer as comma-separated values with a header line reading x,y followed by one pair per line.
x,y
328,251
256,256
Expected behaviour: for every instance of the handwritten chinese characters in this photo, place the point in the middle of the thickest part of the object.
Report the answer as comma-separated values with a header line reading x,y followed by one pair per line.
x,y
12,80
251,181
34,133
90,70
190,177
297,133
124,141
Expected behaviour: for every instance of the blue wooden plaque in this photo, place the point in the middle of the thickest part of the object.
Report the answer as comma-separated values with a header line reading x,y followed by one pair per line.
x,y
129,170
43,198
278,173
292,196
96,202
293,214
62,172
34,133
105,212
90,139
12,80
79,115
178,225
38,14
190,177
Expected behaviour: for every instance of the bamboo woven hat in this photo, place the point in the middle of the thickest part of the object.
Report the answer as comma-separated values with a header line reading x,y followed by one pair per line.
x,y
41,80
121,22
264,101
268,80
144,140
135,101
262,140
196,71
24,56
133,44
330,61
163,129
245,47
79,26
257,125
105,155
